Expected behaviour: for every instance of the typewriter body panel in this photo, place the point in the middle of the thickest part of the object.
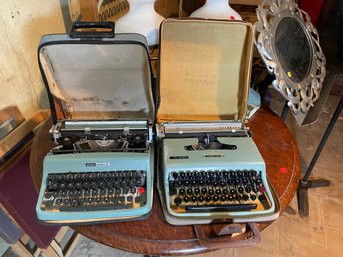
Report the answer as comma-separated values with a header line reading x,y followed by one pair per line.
x,y
101,168
210,167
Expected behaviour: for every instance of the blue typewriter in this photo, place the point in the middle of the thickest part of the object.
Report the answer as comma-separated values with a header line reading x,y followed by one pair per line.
x,y
99,86
210,168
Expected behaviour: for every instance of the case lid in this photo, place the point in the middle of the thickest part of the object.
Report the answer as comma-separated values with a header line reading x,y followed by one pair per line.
x,y
204,71
97,78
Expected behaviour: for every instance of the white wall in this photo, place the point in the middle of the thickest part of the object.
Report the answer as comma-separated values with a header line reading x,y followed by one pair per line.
x,y
22,23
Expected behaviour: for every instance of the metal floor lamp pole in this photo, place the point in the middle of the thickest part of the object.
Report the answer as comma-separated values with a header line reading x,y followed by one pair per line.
x,y
306,183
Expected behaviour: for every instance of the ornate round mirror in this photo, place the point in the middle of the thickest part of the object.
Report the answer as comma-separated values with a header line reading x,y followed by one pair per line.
x,y
292,49
289,46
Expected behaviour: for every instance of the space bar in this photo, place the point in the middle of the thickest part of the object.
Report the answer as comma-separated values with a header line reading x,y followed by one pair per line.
x,y
220,208
92,208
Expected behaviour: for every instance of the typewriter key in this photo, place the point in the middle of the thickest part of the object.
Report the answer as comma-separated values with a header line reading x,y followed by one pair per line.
x,y
177,201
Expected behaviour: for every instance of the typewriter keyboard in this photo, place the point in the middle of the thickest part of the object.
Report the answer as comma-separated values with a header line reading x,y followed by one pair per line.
x,y
95,191
217,191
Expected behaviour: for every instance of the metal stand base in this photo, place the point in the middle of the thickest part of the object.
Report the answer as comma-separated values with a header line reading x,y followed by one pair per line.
x,y
306,183
302,194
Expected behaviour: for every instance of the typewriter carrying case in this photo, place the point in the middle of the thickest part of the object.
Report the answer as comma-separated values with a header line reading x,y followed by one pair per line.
x,y
204,78
99,86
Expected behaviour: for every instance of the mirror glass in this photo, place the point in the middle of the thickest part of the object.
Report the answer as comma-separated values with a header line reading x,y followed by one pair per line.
x,y
293,49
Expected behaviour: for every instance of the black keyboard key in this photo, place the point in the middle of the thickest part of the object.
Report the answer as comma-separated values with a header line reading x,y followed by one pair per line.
x,y
177,201
47,195
78,185
172,191
62,186
138,199
95,192
262,198
175,175
53,187
74,202
94,185
121,199
87,192
126,190
49,203
83,201
70,185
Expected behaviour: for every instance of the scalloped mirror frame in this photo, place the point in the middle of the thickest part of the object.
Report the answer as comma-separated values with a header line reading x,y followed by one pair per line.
x,y
301,95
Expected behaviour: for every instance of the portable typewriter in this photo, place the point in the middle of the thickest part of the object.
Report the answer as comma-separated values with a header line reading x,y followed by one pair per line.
x,y
99,87
211,169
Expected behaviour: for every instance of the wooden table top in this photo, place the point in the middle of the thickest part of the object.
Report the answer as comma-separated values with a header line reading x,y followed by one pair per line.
x,y
154,236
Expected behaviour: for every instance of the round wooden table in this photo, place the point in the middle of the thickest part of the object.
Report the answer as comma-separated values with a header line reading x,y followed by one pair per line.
x,y
154,236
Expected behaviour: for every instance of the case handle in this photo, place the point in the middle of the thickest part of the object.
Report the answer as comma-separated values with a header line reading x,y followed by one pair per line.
x,y
250,237
78,30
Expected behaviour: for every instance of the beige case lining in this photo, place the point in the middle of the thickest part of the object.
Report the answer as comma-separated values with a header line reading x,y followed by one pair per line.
x,y
204,70
106,81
